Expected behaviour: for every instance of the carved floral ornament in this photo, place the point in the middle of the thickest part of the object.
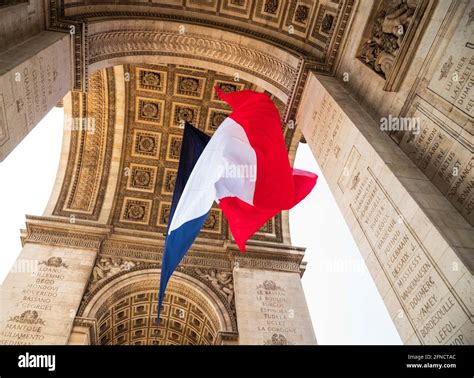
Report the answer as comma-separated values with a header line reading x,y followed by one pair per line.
x,y
271,6
150,110
151,78
189,84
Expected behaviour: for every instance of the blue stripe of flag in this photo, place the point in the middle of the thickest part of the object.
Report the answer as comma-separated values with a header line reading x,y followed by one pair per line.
x,y
180,240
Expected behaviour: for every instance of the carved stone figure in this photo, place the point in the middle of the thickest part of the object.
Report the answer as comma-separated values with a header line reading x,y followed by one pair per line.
x,y
107,267
384,62
221,280
101,269
388,31
224,280
397,17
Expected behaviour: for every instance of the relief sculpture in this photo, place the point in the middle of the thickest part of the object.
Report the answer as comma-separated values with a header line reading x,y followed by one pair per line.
x,y
389,29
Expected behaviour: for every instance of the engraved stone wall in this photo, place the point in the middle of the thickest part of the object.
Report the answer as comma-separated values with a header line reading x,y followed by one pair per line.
x,y
421,268
43,292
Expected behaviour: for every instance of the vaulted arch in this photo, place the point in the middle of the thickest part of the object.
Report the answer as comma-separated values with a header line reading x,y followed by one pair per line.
x,y
123,308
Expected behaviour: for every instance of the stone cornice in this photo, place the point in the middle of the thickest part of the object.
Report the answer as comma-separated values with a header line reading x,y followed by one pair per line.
x,y
283,260
54,237
225,255
90,324
59,232
223,337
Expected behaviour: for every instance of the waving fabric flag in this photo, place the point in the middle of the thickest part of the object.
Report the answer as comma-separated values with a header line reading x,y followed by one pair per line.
x,y
277,186
244,166
180,239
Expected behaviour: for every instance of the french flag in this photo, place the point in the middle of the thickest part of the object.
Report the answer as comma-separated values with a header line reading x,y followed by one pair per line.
x,y
244,167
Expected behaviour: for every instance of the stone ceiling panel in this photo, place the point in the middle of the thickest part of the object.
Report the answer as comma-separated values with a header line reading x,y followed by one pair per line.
x,y
155,101
310,26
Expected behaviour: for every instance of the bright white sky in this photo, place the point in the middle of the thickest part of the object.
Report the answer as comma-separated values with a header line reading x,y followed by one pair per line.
x,y
343,301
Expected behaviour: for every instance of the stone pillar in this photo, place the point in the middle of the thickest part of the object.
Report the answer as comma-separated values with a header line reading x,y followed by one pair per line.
x,y
79,336
42,292
34,76
423,274
270,304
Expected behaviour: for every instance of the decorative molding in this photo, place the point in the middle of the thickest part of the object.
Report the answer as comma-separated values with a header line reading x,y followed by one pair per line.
x,y
78,30
139,252
245,19
269,264
223,336
277,261
108,45
65,223
90,324
55,237
92,123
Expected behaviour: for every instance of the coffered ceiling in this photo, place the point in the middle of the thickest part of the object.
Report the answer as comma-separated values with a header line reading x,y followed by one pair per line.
x,y
132,321
158,99
306,25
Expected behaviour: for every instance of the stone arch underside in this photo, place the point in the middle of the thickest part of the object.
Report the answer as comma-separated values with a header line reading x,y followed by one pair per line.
x,y
107,174
122,310
132,71
117,124
271,47
310,29
115,42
